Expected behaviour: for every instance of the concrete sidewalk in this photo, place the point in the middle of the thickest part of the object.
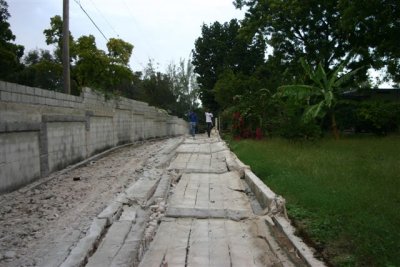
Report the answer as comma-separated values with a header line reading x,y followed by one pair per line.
x,y
200,206
210,220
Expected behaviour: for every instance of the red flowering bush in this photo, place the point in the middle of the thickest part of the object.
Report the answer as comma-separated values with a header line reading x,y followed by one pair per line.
x,y
241,129
237,125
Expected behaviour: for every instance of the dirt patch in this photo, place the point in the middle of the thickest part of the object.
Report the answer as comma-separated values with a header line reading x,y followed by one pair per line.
x,y
32,221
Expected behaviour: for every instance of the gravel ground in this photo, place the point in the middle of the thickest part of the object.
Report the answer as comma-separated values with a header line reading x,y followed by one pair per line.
x,y
32,219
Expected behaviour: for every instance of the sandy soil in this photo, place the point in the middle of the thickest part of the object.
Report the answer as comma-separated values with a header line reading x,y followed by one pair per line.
x,y
33,221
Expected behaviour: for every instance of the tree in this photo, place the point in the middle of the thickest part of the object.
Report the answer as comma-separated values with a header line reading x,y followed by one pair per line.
x,y
119,73
310,29
10,53
229,85
184,86
90,66
156,88
321,96
93,67
119,51
41,70
373,27
220,48
54,37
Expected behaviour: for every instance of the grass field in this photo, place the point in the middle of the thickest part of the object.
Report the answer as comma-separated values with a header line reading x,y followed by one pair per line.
x,y
343,196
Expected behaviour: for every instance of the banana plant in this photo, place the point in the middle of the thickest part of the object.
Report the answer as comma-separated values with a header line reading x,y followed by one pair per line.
x,y
322,95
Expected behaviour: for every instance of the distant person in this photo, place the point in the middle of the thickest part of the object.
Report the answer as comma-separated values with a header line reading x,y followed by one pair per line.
x,y
193,122
209,122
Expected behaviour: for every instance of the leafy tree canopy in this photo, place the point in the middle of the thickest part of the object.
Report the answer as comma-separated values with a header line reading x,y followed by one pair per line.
x,y
322,94
41,70
374,25
10,53
119,51
156,88
53,36
184,86
327,32
220,48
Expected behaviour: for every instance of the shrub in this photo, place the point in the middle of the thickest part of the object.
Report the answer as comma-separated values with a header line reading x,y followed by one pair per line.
x,y
293,126
296,129
378,117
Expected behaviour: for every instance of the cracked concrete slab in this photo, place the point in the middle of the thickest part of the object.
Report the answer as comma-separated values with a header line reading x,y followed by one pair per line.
x,y
203,195
197,212
209,220
142,190
128,214
209,242
132,249
80,252
202,148
111,244
200,163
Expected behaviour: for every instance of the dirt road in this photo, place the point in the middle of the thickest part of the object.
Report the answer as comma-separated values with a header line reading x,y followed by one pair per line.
x,y
40,217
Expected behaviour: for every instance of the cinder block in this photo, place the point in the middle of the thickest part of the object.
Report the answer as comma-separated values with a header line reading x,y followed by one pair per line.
x,y
53,102
46,93
52,94
5,96
58,95
38,92
19,89
3,85
15,97
36,100
29,169
42,101
2,156
26,99
11,87
6,176
48,101
30,90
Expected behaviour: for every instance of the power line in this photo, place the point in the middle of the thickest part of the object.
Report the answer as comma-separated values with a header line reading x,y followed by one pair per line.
x,y
153,51
79,3
104,17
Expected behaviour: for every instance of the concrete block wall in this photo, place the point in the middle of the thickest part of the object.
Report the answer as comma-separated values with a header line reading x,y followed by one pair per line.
x,y
66,144
101,134
19,149
43,131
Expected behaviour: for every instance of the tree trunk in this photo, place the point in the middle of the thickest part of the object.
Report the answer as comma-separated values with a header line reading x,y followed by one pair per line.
x,y
335,130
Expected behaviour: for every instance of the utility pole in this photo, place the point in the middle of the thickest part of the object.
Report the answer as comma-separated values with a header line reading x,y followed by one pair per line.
x,y
65,49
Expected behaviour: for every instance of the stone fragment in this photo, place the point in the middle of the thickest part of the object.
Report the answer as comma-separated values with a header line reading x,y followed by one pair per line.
x,y
10,254
7,209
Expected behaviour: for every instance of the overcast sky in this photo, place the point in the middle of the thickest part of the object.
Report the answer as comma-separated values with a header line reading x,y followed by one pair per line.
x,y
163,30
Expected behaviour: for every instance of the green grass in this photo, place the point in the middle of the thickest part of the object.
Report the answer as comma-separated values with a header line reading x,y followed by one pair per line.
x,y
343,196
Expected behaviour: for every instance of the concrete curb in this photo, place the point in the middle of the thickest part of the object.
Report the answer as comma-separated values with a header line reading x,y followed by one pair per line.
x,y
275,204
111,213
139,192
86,245
168,154
263,193
304,251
